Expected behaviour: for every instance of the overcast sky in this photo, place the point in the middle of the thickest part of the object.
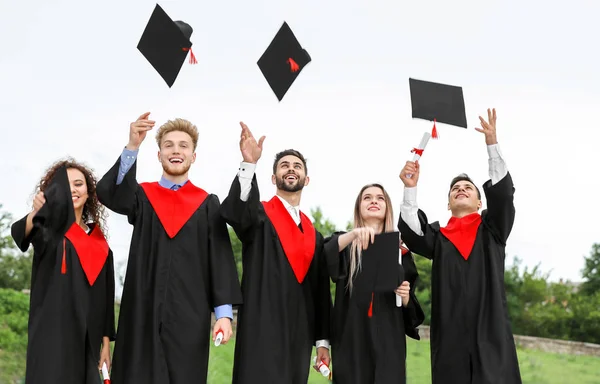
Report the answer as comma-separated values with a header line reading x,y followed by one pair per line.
x,y
70,73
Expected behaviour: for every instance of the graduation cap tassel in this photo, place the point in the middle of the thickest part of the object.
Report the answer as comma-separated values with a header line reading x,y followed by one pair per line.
x,y
434,134
192,57
294,67
370,313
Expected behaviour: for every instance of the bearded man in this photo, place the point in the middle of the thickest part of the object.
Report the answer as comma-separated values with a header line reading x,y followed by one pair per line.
x,y
287,302
180,265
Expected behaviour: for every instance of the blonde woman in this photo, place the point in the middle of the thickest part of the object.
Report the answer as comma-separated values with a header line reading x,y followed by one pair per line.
x,y
368,335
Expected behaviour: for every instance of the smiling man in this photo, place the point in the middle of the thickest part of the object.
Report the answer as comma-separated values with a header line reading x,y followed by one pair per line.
x,y
180,263
287,302
471,336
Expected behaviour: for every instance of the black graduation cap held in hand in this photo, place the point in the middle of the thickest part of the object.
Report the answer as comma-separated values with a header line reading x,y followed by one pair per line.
x,y
58,211
283,61
165,44
380,270
438,103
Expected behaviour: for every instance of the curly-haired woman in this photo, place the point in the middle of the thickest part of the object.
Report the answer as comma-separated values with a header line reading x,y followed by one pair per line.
x,y
71,317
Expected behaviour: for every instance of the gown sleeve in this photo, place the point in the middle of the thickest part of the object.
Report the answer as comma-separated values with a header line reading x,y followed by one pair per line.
x,y
243,216
420,244
337,265
17,232
109,324
413,313
225,287
323,296
500,213
122,197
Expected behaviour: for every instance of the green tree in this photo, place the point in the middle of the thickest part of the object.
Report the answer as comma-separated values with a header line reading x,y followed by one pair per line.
x,y
323,225
14,314
15,266
591,272
423,287
236,245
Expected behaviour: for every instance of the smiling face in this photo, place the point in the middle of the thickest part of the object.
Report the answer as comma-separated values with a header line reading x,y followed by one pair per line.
x,y
463,198
79,189
176,153
373,204
290,174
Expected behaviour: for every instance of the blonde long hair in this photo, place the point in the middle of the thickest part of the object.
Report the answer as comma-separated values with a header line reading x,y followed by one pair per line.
x,y
388,226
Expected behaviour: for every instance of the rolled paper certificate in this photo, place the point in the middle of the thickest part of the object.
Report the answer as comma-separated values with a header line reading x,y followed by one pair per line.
x,y
322,367
418,152
105,376
219,338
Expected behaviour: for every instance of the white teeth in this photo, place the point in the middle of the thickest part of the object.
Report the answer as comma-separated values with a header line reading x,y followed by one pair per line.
x,y
176,161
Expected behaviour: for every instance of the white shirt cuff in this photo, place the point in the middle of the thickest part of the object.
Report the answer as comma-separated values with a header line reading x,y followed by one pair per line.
x,y
322,343
494,151
410,195
247,170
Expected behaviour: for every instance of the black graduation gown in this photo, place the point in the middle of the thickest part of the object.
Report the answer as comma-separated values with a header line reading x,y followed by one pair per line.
x,y
68,317
369,350
281,319
173,281
470,328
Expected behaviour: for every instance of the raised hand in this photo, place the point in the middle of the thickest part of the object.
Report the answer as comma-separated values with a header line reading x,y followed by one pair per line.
x,y
251,150
489,127
138,130
38,202
410,168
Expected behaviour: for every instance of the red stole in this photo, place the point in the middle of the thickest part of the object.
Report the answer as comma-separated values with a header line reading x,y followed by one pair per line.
x,y
298,246
462,232
91,249
174,208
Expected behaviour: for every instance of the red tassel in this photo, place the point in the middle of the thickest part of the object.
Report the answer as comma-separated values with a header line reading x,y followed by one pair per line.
x,y
63,268
294,67
370,313
192,57
434,133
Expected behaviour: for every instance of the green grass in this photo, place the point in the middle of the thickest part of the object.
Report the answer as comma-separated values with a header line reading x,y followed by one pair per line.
x,y
536,367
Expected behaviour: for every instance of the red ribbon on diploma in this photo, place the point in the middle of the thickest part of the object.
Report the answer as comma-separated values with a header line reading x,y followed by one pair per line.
x,y
417,151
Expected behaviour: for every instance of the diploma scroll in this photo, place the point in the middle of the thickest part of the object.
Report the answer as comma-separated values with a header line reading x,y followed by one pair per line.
x,y
322,367
418,152
219,338
105,376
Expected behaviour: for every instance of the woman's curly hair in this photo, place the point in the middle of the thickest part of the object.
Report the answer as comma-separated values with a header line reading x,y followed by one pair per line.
x,y
93,211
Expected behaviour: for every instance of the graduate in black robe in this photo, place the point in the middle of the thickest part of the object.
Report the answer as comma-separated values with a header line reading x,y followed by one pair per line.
x,y
370,322
71,311
287,301
471,336
180,263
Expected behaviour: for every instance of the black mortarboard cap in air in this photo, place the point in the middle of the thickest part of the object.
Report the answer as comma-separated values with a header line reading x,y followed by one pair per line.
x,y
380,271
165,44
283,61
438,103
